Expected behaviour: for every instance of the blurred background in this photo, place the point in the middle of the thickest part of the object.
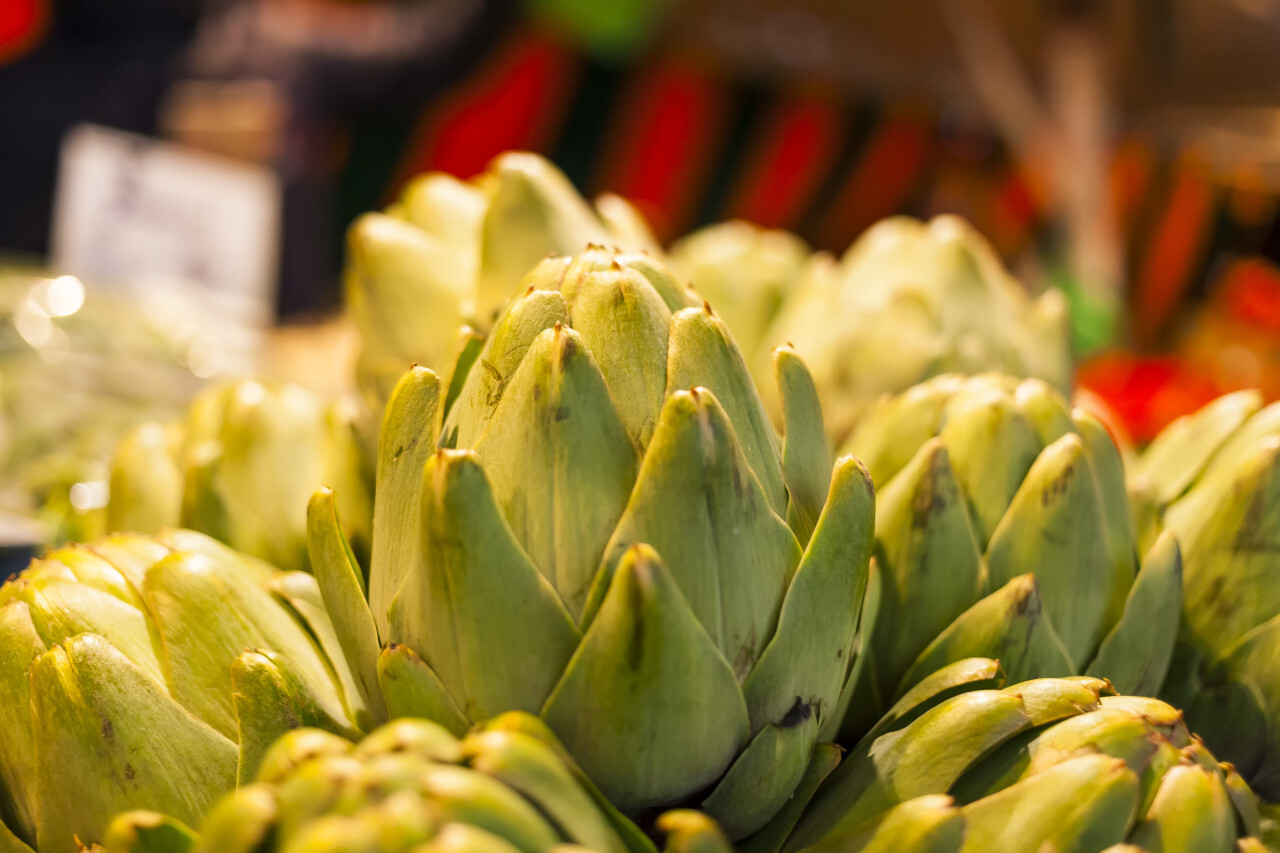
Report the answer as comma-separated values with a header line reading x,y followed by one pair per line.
x,y
1125,151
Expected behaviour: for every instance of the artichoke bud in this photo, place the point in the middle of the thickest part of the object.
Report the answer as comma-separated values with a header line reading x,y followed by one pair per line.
x,y
688,831
420,738
397,790
145,482
1211,477
100,655
249,453
312,790
626,224
1046,762
930,823
295,748
440,204
465,838
592,417
1002,473
749,270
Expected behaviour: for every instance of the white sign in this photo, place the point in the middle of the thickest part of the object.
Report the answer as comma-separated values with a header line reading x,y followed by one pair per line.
x,y
134,212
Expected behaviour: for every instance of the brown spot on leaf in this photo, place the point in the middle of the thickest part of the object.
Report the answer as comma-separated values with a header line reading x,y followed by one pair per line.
x,y
1058,487
129,772
107,729
799,712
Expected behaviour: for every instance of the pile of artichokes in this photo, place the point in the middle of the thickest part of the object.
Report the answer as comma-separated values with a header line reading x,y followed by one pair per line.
x,y
595,577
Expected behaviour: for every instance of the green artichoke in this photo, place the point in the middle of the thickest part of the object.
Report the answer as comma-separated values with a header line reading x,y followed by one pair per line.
x,y
412,787
1213,478
909,300
152,673
240,467
451,252
1002,530
603,528
746,273
959,765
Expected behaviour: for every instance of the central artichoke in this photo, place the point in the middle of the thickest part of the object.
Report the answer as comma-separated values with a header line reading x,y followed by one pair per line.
x,y
1003,530
604,529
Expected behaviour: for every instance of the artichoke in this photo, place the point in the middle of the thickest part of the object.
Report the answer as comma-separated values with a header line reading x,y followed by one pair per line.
x,y
507,787
240,467
1002,530
1060,764
1213,478
746,272
152,673
909,300
603,528
451,252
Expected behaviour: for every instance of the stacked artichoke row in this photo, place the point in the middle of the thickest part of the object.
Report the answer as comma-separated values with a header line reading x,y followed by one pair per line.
x,y
507,787
1003,530
587,575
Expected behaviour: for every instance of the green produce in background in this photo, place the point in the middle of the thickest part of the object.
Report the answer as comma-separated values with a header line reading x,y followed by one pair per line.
x,y
1062,764
241,467
79,366
598,524
153,673
1003,531
747,273
1213,478
910,300
450,253
506,787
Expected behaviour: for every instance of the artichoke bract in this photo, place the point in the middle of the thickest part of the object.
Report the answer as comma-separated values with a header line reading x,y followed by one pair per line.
x,y
412,787
604,529
747,273
909,300
1063,764
451,252
240,467
1213,478
1003,530
153,673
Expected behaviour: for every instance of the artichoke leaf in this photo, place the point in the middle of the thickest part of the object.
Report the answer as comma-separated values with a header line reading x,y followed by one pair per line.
x,y
650,674
108,738
474,602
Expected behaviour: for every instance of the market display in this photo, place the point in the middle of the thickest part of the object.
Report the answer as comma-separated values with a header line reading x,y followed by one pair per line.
x,y
585,574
